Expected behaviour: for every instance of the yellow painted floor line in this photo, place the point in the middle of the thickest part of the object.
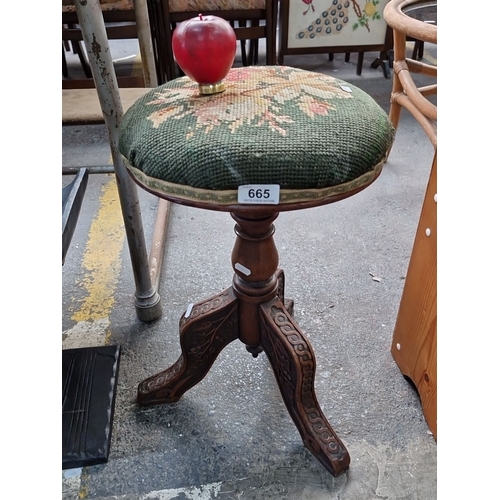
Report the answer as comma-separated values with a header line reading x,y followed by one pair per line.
x,y
101,264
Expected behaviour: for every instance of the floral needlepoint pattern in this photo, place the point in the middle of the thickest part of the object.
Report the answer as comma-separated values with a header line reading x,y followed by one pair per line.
x,y
273,100
302,130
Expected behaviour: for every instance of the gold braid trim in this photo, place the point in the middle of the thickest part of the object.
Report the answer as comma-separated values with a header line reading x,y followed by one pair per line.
x,y
187,194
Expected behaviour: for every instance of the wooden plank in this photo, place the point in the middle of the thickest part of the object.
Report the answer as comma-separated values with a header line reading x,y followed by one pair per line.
x,y
415,335
81,106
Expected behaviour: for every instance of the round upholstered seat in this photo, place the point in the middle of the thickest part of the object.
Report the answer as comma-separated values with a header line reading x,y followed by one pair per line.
x,y
315,136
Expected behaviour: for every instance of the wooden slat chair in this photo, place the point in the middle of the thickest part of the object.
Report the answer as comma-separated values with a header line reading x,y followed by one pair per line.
x,y
120,21
251,20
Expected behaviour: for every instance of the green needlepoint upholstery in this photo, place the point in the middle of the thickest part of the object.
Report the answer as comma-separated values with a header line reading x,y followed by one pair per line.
x,y
311,134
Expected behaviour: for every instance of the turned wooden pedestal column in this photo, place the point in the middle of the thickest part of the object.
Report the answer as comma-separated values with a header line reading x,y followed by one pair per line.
x,y
255,311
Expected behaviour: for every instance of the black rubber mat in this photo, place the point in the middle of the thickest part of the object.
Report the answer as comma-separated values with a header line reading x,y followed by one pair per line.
x,y
89,379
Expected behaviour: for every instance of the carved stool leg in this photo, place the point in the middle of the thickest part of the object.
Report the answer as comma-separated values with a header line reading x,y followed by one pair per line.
x,y
294,365
210,326
254,310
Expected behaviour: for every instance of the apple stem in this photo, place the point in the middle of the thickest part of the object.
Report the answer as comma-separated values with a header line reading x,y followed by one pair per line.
x,y
201,17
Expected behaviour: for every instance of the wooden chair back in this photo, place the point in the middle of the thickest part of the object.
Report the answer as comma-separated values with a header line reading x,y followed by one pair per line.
x,y
252,20
120,21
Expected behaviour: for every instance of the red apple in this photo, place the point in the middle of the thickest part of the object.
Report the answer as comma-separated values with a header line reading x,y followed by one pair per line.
x,y
204,48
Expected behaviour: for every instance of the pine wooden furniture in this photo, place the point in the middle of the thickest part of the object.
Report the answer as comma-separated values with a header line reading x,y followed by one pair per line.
x,y
313,138
414,342
414,345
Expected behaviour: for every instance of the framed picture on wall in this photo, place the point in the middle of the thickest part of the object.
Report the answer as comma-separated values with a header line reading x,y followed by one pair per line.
x,y
330,26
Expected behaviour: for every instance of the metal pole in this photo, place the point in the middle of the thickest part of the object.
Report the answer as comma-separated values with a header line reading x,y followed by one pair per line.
x,y
147,300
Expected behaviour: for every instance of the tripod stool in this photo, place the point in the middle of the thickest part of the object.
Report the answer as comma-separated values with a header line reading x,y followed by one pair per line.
x,y
277,139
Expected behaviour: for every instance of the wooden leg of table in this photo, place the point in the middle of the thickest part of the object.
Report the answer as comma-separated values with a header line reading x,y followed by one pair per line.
x,y
294,365
210,326
415,335
359,65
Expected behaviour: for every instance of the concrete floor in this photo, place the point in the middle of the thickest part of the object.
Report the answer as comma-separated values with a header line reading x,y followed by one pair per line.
x,y
230,436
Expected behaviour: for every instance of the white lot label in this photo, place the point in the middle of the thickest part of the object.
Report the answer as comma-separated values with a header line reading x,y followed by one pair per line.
x,y
346,88
268,194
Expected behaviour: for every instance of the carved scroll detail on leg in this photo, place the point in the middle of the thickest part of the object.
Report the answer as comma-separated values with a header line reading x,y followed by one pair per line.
x,y
280,275
294,365
211,326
